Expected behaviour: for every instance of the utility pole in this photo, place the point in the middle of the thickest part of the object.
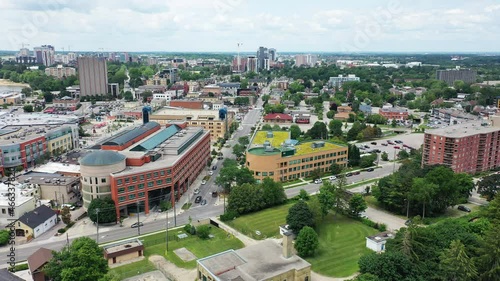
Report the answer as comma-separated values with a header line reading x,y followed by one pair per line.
x,y
166,232
138,223
97,213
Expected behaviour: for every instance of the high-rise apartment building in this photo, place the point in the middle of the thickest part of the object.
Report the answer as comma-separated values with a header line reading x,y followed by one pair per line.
x,y
44,54
262,55
451,75
468,147
60,71
272,55
306,60
93,75
252,64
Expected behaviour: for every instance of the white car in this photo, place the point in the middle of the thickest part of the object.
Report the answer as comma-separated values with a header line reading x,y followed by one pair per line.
x,y
211,173
332,178
203,182
197,191
318,181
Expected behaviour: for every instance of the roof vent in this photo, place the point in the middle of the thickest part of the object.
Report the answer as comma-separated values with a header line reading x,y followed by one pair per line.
x,y
269,134
318,144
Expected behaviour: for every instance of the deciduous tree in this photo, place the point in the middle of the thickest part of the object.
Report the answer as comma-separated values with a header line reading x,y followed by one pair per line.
x,y
307,242
299,216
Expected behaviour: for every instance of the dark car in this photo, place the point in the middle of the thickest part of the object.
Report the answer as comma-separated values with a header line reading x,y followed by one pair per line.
x,y
374,142
390,142
137,224
464,208
214,168
197,199
398,141
214,194
356,173
366,146
405,145
397,147
370,170
203,202
384,144
348,175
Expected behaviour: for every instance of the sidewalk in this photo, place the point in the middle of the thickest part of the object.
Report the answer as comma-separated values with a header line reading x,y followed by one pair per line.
x,y
243,238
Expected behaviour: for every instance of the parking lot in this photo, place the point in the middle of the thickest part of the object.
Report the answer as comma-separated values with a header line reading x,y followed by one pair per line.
x,y
411,140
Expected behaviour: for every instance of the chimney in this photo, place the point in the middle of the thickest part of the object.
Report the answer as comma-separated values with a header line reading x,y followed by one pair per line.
x,y
287,244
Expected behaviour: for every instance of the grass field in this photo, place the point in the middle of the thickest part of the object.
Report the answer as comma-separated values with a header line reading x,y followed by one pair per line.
x,y
155,244
133,269
266,221
341,243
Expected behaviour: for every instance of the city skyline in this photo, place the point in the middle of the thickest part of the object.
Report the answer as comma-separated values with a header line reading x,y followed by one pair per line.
x,y
217,26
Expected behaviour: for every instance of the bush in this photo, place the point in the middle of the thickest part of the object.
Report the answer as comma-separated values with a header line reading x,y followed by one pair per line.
x,y
19,267
187,228
203,231
229,215
4,237
70,224
61,230
382,227
192,230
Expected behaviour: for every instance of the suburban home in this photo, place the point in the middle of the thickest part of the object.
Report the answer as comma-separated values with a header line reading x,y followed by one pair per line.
x,y
278,118
377,242
36,222
37,261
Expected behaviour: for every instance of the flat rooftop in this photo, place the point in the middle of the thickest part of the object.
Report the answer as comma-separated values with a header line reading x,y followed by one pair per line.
x,y
169,144
122,245
306,147
24,193
187,114
464,130
56,167
248,263
47,179
277,139
382,236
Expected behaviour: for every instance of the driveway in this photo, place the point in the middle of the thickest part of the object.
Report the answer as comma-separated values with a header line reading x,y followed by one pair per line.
x,y
393,222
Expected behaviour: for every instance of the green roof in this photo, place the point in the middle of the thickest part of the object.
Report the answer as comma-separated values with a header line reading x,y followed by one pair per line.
x,y
102,158
305,148
262,151
278,138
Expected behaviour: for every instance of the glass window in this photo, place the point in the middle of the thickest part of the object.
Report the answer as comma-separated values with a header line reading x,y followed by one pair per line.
x,y
142,177
131,196
131,188
169,180
121,198
121,189
162,172
140,186
103,180
159,182
141,194
119,182
156,174
150,184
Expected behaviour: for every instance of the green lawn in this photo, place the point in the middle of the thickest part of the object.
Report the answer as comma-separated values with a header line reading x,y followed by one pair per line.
x,y
341,243
133,269
266,221
155,244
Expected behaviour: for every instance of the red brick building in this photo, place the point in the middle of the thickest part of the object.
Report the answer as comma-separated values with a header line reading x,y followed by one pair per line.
x,y
278,118
397,113
468,147
191,104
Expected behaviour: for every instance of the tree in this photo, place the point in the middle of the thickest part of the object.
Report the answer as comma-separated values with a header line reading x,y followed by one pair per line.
x,y
423,191
403,154
316,173
330,114
335,127
238,150
145,95
318,131
354,155
336,169
489,255
489,186
48,97
394,123
384,156
203,231
106,207
244,140
357,205
27,91
66,215
326,197
456,264
295,131
307,242
388,266
367,161
4,236
267,127
28,108
81,261
299,216
128,96
316,209
303,195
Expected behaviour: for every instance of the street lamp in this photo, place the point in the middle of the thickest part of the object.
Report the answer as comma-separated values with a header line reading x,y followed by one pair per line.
x,y
166,232
97,213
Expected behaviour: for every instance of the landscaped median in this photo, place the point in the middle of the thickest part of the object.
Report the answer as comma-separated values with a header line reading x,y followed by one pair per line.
x,y
341,239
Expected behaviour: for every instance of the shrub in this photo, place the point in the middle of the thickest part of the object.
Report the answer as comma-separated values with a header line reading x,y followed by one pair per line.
x,y
4,236
382,227
19,267
187,228
229,215
192,230
203,231
61,230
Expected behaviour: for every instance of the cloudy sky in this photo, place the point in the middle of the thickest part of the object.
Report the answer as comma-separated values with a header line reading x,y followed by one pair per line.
x,y
217,25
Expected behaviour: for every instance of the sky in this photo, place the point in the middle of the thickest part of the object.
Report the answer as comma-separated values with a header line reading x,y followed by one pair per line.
x,y
218,25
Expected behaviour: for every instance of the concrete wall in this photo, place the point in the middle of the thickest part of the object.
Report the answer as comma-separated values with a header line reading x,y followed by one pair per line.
x,y
89,190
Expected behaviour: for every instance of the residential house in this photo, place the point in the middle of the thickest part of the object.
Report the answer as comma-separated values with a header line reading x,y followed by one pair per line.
x,y
35,223
343,113
37,261
377,242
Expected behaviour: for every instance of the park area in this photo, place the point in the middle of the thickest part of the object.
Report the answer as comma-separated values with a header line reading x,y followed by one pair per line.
x,y
155,244
341,240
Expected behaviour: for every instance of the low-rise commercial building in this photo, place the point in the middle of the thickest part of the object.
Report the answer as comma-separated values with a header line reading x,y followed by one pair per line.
x,y
338,81
123,251
397,113
12,98
206,119
54,187
25,197
35,223
66,103
275,155
278,118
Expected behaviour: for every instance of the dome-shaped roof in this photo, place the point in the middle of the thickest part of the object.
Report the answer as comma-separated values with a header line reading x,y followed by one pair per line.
x,y
101,158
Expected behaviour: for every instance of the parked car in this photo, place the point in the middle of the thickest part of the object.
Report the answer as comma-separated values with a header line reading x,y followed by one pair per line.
x,y
390,142
332,178
397,147
348,175
203,202
71,207
398,141
374,142
214,194
318,181
370,170
137,224
464,208
197,191
203,182
366,146
405,145
211,173
384,144
356,173
214,168
197,199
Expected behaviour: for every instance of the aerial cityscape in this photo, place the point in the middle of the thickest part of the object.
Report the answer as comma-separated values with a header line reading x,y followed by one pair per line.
x,y
249,140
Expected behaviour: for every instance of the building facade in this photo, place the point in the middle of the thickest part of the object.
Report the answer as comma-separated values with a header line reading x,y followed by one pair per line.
x,y
60,71
93,76
338,81
397,113
469,147
44,55
451,75
273,155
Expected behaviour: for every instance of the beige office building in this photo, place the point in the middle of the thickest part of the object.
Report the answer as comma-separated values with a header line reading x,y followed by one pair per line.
x,y
207,119
93,76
